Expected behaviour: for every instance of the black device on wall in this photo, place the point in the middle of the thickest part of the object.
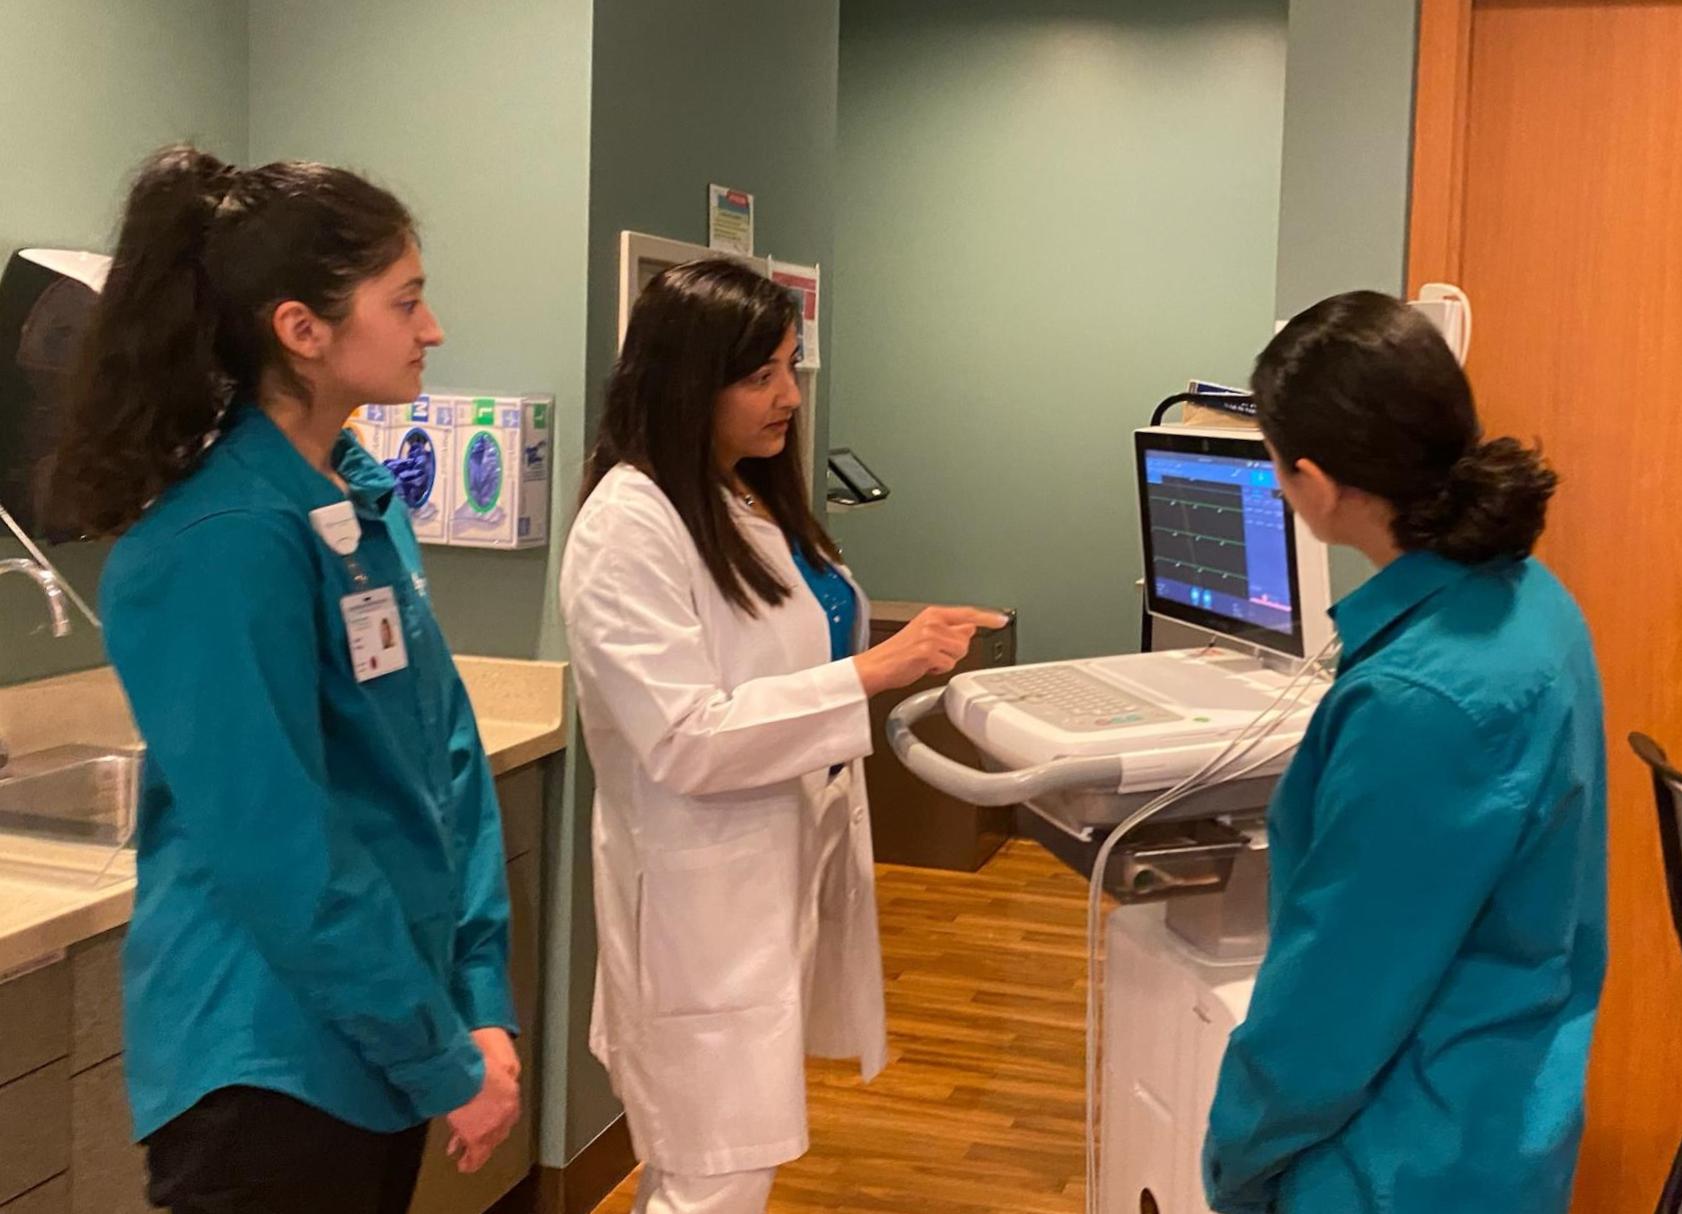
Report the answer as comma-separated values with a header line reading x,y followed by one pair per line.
x,y
47,297
850,482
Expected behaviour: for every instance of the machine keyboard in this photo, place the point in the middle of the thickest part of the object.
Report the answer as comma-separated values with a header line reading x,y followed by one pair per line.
x,y
1071,699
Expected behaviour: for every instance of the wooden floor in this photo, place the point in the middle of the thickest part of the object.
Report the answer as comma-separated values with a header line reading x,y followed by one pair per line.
x,y
980,1108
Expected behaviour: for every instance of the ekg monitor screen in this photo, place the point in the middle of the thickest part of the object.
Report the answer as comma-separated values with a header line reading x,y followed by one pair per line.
x,y
1219,543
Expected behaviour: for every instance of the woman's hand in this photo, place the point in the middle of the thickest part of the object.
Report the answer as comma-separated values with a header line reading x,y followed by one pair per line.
x,y
934,642
482,1124
498,1048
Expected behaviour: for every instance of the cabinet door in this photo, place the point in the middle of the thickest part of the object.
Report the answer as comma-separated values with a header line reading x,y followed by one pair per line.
x,y
96,1001
519,795
525,966
34,1129
107,1169
50,1198
34,1019
442,1189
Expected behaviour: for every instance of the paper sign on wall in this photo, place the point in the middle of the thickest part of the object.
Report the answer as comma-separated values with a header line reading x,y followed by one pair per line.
x,y
729,220
802,283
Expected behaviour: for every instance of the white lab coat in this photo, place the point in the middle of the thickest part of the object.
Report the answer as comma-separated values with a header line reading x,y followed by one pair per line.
x,y
735,895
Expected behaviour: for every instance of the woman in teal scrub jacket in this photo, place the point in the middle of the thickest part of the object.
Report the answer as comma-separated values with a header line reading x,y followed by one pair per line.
x,y
1417,1039
317,962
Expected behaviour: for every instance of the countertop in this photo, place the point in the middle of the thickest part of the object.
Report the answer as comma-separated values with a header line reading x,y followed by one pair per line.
x,y
54,895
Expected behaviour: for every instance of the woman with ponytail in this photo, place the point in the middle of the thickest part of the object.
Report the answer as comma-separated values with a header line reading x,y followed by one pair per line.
x,y
1419,1031
317,961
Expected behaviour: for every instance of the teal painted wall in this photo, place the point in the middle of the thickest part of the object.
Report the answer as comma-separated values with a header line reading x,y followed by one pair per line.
x,y
87,89
684,92
746,98
477,116
1347,166
1050,217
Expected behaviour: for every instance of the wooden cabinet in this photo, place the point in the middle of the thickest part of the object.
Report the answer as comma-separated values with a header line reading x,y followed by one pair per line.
x,y
107,1170
443,1189
64,1121
34,1129
50,1198
96,1001
35,1015
65,1130
912,822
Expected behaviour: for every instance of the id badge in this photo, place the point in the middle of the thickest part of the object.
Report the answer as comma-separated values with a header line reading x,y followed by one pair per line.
x,y
375,630
337,527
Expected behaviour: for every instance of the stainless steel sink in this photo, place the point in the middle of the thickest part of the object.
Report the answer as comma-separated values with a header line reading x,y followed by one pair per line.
x,y
78,794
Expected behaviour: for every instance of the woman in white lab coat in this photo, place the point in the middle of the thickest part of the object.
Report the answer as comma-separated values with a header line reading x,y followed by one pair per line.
x,y
713,631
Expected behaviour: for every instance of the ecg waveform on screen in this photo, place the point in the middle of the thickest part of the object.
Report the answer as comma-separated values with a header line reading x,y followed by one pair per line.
x,y
1197,535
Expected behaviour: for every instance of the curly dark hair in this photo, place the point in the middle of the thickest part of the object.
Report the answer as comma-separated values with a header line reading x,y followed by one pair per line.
x,y
1365,386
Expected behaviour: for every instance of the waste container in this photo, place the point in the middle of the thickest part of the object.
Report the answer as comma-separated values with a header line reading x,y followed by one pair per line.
x,y
911,822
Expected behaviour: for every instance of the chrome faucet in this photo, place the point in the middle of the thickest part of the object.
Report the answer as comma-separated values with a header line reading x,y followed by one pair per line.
x,y
49,584
50,587
41,572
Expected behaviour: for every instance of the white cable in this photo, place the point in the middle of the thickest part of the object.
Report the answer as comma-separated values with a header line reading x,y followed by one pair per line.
x,y
1217,770
1212,772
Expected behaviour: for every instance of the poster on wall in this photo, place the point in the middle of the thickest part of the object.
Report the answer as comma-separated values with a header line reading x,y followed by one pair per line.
x,y
729,220
802,283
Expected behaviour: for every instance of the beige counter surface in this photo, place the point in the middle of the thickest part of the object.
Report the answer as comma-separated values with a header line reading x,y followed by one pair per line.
x,y
54,895
521,707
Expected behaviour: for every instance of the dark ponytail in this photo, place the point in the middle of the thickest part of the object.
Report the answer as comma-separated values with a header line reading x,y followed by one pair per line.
x,y
148,389
1493,504
205,254
1366,388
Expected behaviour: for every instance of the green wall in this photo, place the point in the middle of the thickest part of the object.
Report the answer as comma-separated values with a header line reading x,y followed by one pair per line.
x,y
687,92
684,92
477,116
407,93
1346,180
1050,217
1347,172
89,88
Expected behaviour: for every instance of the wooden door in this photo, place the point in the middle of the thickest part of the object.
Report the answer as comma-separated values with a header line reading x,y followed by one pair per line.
x,y
1548,183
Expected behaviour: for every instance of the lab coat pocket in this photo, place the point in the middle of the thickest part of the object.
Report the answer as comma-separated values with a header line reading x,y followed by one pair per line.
x,y
716,932
721,1093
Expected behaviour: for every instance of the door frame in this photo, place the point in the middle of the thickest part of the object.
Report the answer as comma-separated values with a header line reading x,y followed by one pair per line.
x,y
1442,91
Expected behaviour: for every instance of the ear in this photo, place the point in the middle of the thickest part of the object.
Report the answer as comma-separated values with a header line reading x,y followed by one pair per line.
x,y
300,331
1314,484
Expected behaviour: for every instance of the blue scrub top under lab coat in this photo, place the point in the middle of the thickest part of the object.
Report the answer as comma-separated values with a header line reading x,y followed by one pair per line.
x,y
834,594
1419,1031
322,908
